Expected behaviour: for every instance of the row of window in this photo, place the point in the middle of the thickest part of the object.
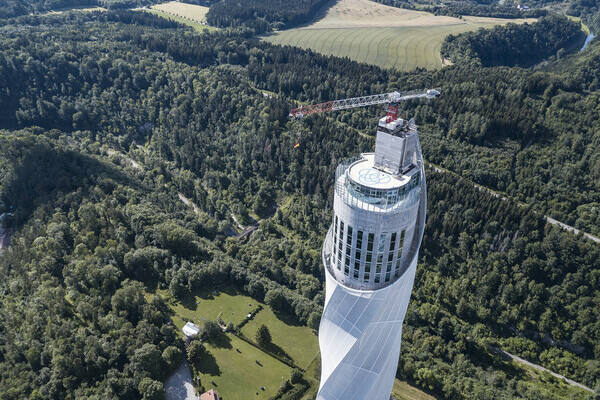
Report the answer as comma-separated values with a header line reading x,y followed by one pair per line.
x,y
344,241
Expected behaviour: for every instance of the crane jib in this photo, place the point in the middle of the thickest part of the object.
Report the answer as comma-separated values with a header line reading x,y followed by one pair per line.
x,y
389,98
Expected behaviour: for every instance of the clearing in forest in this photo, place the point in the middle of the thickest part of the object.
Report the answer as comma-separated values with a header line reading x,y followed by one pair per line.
x,y
232,363
389,37
183,10
74,8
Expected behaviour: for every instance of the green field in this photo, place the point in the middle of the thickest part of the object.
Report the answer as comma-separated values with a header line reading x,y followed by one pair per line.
x,y
194,24
184,10
232,365
403,47
237,375
390,37
206,305
405,391
298,341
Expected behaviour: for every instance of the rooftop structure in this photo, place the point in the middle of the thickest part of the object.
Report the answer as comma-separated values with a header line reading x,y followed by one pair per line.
x,y
212,394
190,329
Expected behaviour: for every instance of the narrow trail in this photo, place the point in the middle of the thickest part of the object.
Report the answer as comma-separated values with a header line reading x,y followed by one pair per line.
x,y
520,360
188,202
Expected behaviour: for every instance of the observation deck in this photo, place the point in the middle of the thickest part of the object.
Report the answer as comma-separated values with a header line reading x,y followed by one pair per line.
x,y
360,184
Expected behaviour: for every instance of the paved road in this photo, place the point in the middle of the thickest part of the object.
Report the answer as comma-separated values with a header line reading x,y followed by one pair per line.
x,y
179,386
548,219
540,368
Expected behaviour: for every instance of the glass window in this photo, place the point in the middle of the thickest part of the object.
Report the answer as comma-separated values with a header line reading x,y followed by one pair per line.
x,y
370,239
387,276
382,238
377,278
366,277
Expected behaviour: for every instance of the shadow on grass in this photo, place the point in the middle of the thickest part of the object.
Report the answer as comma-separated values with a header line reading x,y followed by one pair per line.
x,y
287,318
208,365
189,300
273,348
220,340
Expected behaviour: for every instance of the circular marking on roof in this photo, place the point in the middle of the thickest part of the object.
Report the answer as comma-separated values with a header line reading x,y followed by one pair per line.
x,y
370,176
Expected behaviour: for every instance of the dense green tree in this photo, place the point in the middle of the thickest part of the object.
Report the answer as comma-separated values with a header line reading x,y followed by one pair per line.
x,y
196,352
151,389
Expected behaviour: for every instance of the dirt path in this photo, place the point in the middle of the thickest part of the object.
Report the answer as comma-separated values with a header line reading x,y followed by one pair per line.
x,y
520,360
131,162
188,202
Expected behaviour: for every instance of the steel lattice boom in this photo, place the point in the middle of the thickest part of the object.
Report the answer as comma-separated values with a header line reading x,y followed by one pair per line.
x,y
391,98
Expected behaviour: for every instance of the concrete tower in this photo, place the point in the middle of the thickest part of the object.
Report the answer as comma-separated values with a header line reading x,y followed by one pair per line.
x,y
370,256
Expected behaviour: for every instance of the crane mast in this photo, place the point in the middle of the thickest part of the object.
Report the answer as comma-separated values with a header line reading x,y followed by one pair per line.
x,y
392,99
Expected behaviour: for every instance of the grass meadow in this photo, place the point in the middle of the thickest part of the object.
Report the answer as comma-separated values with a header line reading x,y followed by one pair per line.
x,y
187,14
183,10
299,342
232,369
231,365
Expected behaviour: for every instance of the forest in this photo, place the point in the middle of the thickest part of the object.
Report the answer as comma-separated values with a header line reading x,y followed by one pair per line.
x,y
263,15
95,234
514,45
459,8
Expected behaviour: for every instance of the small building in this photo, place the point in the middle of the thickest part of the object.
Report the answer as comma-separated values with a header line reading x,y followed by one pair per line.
x,y
212,394
190,329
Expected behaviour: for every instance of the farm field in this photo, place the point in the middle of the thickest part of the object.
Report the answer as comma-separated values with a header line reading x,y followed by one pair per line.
x,y
188,14
236,374
299,342
183,10
385,36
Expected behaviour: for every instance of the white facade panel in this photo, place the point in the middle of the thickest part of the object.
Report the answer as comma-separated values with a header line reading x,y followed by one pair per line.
x,y
370,257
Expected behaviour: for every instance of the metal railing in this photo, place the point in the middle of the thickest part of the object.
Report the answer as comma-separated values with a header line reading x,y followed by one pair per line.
x,y
383,204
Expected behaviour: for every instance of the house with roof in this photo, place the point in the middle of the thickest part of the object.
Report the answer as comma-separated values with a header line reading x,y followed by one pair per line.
x,y
212,394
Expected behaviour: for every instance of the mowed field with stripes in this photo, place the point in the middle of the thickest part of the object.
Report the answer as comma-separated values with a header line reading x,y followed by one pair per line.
x,y
373,33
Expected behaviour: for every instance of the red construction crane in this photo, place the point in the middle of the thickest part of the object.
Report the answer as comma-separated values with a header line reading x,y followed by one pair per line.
x,y
392,99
